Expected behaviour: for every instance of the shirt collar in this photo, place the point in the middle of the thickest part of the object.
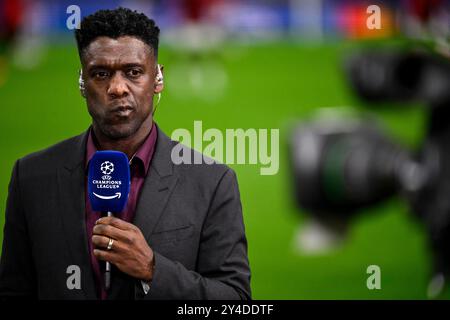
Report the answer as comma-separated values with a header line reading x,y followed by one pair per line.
x,y
142,157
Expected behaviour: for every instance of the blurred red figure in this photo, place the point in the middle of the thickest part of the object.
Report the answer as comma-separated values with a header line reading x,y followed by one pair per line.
x,y
196,10
423,9
11,18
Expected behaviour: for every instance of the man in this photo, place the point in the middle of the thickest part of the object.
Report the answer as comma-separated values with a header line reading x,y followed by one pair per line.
x,y
181,235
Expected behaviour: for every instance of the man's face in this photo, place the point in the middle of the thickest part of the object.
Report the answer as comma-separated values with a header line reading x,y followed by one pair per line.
x,y
119,77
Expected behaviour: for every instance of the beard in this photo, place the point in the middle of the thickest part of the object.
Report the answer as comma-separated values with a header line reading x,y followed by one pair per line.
x,y
117,128
118,131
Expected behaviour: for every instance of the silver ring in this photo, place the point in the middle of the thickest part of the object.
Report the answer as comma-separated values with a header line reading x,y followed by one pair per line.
x,y
110,244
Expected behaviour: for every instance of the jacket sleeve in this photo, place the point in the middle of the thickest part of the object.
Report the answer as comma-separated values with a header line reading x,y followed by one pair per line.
x,y
223,270
17,278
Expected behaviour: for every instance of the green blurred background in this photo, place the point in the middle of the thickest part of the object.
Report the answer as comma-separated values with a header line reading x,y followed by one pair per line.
x,y
268,85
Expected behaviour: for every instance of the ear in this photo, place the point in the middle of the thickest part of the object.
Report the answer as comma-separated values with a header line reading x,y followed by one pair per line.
x,y
81,84
159,80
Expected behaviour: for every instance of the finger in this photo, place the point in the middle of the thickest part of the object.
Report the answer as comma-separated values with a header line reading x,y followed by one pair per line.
x,y
116,222
100,241
109,231
105,255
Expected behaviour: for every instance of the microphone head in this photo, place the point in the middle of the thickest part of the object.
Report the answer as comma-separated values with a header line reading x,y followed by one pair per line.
x,y
108,181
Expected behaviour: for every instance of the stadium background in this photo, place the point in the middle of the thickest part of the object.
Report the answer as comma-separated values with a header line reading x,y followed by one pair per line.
x,y
266,72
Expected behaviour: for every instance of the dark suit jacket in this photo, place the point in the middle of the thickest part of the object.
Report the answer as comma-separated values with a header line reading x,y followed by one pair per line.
x,y
190,215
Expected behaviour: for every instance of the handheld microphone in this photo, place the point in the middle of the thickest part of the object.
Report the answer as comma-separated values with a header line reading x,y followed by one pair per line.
x,y
108,187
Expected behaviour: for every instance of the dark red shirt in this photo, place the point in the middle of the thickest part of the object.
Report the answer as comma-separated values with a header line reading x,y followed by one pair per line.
x,y
140,164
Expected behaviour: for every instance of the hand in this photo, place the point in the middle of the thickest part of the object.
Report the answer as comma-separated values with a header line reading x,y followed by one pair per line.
x,y
130,251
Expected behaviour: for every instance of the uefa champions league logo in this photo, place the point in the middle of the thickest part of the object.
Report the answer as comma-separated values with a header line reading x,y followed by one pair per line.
x,y
107,168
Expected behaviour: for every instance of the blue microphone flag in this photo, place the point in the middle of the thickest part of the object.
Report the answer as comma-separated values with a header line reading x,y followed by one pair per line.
x,y
108,181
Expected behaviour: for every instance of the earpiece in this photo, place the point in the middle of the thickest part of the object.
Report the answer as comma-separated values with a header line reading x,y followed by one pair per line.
x,y
159,81
159,76
81,84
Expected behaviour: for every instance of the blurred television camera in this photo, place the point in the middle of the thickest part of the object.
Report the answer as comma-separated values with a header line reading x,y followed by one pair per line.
x,y
343,164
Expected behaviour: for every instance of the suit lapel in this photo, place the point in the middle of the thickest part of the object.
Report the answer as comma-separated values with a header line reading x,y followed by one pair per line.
x,y
157,187
155,193
71,185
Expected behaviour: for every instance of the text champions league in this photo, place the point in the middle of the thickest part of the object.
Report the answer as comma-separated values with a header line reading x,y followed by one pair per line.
x,y
107,184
